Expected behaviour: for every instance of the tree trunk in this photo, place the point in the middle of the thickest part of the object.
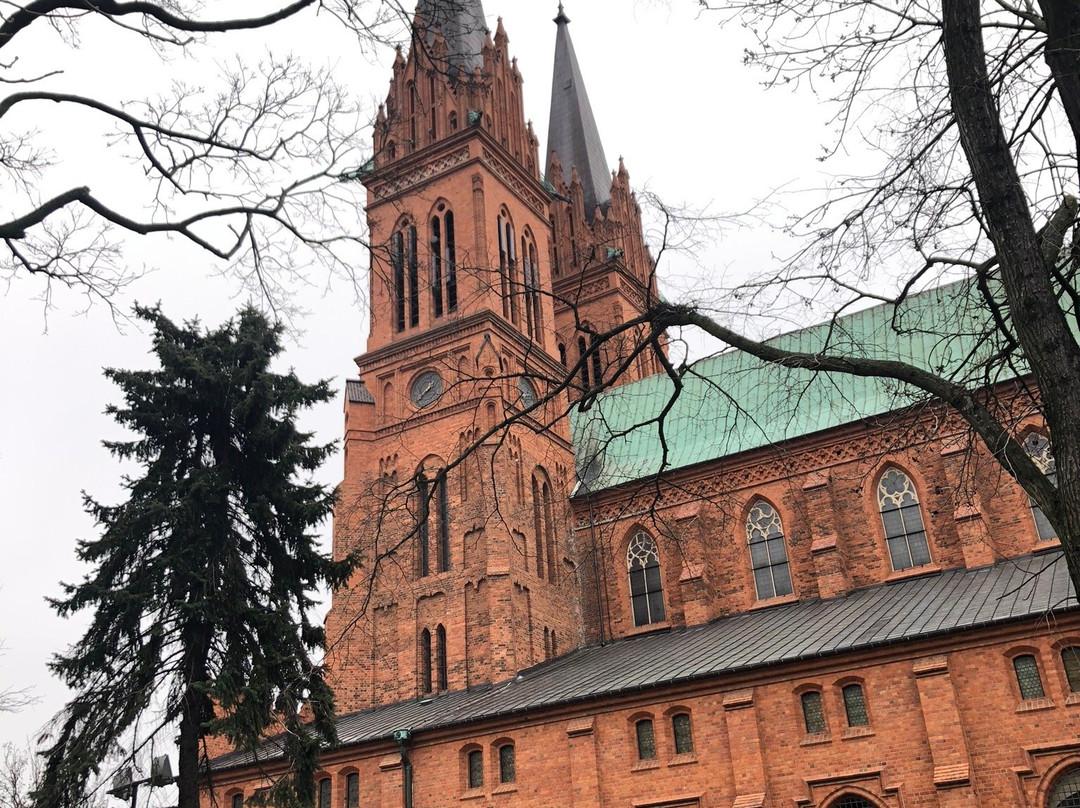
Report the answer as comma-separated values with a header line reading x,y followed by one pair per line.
x,y
1040,325
193,713
1062,54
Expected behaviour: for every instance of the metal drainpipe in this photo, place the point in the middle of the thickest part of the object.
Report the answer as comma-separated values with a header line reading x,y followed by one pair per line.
x,y
596,566
406,776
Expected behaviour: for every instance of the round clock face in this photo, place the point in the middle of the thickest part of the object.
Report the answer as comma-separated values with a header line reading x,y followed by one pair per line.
x,y
527,391
427,388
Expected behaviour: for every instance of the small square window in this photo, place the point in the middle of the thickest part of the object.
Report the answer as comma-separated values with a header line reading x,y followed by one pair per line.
x,y
855,706
813,712
507,764
684,739
476,769
1027,677
646,741
1070,658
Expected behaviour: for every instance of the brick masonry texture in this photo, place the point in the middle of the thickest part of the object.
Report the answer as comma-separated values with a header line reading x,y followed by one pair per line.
x,y
532,572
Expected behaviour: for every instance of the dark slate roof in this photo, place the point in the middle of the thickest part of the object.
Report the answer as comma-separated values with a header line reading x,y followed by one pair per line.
x,y
463,26
357,393
572,132
909,609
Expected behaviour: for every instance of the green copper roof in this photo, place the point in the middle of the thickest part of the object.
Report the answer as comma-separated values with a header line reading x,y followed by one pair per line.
x,y
733,402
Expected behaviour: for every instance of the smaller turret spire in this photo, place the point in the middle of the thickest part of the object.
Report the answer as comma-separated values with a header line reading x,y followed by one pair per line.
x,y
463,26
572,130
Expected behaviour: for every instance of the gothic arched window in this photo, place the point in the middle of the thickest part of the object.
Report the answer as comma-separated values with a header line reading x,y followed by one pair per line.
x,y
768,555
425,661
443,262
530,274
902,518
583,349
440,657
1038,448
406,276
432,512
646,584
1066,790
507,265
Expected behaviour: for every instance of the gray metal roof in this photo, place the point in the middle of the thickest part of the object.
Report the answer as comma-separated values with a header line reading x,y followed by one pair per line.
x,y
910,609
572,131
463,26
357,393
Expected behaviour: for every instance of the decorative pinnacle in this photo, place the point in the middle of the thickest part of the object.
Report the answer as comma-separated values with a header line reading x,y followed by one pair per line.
x,y
561,19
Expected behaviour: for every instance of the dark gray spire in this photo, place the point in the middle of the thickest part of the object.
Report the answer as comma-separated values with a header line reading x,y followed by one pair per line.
x,y
572,132
463,26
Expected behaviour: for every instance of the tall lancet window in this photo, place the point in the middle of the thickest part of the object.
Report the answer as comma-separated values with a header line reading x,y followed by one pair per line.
x,y
443,262
507,265
530,280
405,276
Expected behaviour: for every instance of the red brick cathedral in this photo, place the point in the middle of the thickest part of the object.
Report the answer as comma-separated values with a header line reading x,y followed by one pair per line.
x,y
773,589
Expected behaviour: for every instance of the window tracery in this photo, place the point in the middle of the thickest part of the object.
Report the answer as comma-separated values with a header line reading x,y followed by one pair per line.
x,y
646,583
768,554
901,516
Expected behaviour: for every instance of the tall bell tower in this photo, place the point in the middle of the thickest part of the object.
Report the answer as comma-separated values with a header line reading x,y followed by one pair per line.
x,y
466,572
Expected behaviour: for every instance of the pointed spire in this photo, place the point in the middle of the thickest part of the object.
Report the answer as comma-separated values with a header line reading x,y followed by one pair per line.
x,y
571,128
463,25
572,131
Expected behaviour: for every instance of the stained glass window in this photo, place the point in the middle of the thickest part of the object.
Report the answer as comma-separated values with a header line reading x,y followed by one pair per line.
x,y
237,801
507,772
646,585
1027,676
324,793
646,741
813,713
1038,448
1070,658
476,769
684,740
855,706
768,556
1066,790
902,517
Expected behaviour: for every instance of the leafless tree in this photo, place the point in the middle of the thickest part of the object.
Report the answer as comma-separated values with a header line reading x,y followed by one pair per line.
x,y
973,109
250,166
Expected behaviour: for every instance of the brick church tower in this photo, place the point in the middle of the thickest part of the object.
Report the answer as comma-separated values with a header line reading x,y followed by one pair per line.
x,y
488,286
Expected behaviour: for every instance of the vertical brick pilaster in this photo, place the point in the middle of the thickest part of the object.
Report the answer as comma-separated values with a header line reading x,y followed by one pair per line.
x,y
390,781
584,765
944,731
830,563
970,527
744,741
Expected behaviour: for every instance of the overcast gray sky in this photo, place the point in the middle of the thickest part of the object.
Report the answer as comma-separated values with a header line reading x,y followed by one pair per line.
x,y
670,95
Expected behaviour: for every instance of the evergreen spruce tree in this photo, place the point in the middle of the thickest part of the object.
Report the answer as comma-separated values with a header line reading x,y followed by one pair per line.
x,y
203,578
